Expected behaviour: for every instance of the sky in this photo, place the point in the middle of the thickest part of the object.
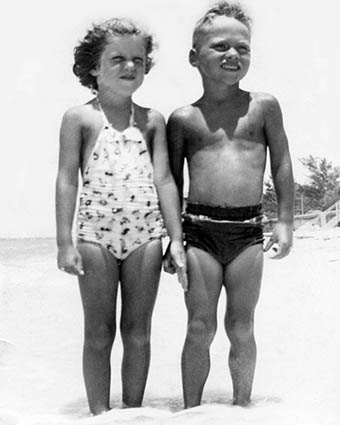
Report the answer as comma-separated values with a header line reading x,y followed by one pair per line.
x,y
295,57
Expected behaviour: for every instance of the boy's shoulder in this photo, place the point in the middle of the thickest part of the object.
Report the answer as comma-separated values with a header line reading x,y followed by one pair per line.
x,y
182,114
266,100
264,105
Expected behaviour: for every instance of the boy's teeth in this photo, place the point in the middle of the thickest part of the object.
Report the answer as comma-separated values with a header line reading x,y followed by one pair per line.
x,y
234,68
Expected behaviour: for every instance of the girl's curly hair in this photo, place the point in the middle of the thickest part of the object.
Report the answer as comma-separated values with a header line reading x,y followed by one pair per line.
x,y
87,53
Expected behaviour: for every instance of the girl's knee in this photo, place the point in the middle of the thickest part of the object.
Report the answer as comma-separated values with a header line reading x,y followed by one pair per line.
x,y
100,337
136,335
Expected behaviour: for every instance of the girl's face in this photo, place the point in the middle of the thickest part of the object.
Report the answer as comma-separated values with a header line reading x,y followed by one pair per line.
x,y
121,66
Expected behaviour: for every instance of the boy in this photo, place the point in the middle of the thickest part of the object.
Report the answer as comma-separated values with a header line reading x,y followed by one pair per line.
x,y
224,137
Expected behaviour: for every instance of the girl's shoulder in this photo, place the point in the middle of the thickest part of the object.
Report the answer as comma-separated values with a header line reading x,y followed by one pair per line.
x,y
81,115
148,117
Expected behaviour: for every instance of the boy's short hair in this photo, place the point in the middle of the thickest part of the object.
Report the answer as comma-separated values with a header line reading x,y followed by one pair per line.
x,y
222,8
87,53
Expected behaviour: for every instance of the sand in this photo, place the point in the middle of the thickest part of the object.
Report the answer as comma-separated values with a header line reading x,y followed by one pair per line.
x,y
297,327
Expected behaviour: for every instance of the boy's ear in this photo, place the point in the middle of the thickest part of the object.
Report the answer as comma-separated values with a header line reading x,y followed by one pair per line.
x,y
193,59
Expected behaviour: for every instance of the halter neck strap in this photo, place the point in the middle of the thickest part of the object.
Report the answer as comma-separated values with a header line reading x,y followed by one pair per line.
x,y
132,121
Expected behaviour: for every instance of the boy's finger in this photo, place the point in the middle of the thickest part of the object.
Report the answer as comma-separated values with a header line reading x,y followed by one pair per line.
x,y
182,279
268,245
281,252
179,260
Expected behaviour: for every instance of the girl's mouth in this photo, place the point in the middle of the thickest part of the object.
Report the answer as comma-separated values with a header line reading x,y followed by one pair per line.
x,y
128,77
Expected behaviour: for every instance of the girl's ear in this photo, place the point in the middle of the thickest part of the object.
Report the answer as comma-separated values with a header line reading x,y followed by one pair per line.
x,y
94,72
148,65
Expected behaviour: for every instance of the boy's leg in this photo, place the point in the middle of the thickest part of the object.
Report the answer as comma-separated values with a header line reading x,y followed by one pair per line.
x,y
243,281
205,282
98,288
139,282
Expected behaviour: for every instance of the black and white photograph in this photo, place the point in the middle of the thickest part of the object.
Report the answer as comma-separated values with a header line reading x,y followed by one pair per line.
x,y
170,221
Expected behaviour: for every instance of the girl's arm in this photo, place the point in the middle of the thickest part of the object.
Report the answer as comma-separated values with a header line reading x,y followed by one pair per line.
x,y
176,149
168,196
69,259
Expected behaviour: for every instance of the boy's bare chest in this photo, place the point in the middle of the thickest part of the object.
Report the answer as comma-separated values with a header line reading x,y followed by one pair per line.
x,y
231,133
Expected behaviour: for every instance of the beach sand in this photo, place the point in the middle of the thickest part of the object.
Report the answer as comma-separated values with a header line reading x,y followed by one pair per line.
x,y
297,377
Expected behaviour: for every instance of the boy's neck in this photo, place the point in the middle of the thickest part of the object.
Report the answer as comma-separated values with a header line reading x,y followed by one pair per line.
x,y
221,94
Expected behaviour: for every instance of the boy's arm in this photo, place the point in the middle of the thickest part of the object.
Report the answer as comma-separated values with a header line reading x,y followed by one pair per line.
x,y
281,169
69,259
168,197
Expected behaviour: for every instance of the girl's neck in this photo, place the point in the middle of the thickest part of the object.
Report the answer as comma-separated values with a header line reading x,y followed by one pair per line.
x,y
113,102
118,110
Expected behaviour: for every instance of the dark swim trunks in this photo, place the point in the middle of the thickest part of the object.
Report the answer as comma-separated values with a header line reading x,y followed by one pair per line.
x,y
223,232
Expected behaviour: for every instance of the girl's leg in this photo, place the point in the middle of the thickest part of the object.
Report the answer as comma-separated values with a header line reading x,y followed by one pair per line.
x,y
98,288
140,274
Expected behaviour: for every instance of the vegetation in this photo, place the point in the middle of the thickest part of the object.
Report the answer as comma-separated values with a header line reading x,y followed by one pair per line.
x,y
321,190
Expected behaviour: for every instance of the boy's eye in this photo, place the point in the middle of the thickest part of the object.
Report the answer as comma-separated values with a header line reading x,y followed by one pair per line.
x,y
221,47
243,49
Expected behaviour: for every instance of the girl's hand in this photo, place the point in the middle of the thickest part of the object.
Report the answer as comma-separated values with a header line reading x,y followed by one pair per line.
x,y
69,261
179,262
168,265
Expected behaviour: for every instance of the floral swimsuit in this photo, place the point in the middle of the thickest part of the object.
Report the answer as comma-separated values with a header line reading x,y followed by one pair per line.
x,y
118,205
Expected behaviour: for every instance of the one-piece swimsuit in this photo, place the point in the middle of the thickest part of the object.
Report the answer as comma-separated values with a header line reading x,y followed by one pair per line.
x,y
118,204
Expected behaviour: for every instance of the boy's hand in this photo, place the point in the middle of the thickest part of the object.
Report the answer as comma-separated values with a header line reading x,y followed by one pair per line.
x,y
282,236
179,260
174,261
69,261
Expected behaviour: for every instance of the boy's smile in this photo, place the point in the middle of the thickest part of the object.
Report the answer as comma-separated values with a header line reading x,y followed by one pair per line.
x,y
222,53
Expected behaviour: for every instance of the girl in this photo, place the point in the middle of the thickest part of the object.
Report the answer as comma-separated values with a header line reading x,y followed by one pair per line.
x,y
120,148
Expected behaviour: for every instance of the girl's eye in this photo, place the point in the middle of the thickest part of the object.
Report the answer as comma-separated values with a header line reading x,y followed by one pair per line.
x,y
138,61
117,59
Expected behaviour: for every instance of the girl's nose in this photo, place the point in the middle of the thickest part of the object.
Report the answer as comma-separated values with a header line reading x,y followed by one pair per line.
x,y
129,64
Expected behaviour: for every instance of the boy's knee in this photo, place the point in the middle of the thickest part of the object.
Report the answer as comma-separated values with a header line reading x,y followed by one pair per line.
x,y
240,330
201,331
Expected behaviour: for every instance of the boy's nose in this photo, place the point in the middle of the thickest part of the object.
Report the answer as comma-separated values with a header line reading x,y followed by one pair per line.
x,y
231,54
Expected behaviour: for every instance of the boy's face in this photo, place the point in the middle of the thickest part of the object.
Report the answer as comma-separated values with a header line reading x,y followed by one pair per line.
x,y
222,53
121,66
